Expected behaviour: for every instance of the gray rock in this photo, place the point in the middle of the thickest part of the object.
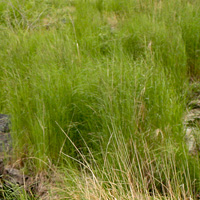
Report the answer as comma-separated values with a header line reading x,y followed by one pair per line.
x,y
10,176
5,137
4,123
14,176
192,120
5,143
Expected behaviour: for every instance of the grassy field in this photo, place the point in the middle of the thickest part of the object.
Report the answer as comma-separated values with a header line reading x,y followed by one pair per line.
x,y
97,91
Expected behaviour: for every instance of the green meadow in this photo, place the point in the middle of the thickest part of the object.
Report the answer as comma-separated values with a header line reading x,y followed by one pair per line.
x,y
97,91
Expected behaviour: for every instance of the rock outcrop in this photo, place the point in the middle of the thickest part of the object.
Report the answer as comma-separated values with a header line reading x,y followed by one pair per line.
x,y
4,123
9,176
5,137
192,121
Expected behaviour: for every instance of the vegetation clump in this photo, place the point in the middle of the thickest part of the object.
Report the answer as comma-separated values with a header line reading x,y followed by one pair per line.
x,y
97,92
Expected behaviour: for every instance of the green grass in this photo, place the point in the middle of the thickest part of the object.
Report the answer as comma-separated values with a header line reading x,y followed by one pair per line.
x,y
114,74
